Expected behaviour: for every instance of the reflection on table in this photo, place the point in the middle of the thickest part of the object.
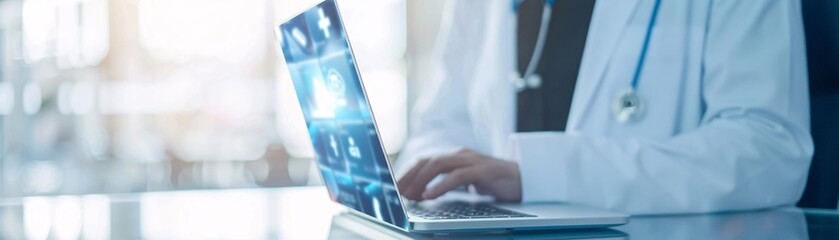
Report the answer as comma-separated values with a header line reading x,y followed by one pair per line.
x,y
307,213
785,223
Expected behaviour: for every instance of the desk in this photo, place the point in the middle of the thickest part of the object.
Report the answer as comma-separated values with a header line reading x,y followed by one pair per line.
x,y
307,213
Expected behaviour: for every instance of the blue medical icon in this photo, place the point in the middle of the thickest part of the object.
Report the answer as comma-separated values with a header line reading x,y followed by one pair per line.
x,y
353,149
335,83
324,23
333,145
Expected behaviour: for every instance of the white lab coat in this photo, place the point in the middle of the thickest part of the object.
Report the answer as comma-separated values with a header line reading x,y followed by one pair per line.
x,y
727,119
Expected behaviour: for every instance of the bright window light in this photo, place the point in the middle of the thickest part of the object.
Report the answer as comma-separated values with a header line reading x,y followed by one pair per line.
x,y
224,30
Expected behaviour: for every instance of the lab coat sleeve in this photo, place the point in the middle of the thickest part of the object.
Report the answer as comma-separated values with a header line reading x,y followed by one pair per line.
x,y
440,120
752,149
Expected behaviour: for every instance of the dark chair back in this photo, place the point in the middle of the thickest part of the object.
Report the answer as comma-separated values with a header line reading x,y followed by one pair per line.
x,y
821,26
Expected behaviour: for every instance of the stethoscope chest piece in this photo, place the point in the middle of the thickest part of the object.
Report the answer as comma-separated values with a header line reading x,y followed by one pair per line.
x,y
628,106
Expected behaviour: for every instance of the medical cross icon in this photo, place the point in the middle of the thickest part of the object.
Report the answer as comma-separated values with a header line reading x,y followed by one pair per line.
x,y
324,23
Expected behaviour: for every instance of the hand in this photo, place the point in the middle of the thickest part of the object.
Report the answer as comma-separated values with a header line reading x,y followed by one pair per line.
x,y
495,177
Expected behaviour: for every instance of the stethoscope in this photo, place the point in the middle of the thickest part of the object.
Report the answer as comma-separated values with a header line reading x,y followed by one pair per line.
x,y
627,105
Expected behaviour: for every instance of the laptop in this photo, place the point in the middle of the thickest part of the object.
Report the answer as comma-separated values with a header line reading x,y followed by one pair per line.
x,y
350,155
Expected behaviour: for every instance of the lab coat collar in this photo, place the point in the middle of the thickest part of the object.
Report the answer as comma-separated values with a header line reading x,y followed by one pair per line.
x,y
602,39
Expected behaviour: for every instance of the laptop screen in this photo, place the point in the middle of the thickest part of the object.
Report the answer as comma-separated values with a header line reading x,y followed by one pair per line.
x,y
349,154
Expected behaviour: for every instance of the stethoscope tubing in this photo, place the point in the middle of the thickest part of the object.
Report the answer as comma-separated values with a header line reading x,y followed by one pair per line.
x,y
539,48
646,45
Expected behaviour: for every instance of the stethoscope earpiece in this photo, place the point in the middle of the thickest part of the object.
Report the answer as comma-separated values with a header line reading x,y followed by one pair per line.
x,y
529,79
534,81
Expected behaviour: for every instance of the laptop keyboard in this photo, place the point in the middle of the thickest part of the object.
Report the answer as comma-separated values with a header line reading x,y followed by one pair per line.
x,y
463,210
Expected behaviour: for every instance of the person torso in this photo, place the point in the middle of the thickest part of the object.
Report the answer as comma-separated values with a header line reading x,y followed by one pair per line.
x,y
670,84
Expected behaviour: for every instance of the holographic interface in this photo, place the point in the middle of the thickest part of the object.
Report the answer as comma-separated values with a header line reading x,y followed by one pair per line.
x,y
349,154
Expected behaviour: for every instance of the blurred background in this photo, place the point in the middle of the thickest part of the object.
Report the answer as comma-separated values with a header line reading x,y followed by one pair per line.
x,y
117,96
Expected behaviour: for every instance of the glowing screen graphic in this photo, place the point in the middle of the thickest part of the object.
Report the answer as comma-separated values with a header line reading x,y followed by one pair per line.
x,y
349,154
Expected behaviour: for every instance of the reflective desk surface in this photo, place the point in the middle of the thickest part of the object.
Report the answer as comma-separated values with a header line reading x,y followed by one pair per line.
x,y
307,213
